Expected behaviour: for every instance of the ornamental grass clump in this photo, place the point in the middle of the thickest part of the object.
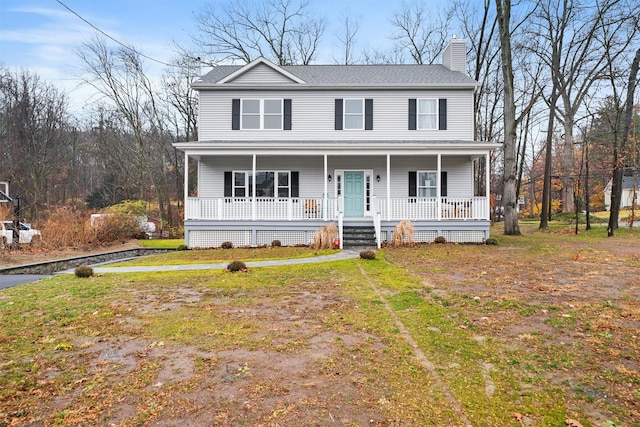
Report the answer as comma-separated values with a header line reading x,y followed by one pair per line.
x,y
403,233
83,271
325,237
236,265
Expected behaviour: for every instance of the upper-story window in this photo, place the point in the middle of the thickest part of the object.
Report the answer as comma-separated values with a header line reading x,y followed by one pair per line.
x,y
354,114
427,114
261,114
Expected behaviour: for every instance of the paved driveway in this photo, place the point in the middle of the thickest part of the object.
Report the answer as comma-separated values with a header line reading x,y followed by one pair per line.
x,y
9,280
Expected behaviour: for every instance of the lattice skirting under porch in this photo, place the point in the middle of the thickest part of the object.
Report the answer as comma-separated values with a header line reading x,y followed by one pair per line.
x,y
453,236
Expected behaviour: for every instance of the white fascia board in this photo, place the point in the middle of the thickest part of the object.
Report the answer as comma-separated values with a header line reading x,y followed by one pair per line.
x,y
349,148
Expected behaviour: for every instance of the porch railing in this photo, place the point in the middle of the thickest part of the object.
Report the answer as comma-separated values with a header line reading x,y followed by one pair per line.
x,y
264,208
418,208
299,209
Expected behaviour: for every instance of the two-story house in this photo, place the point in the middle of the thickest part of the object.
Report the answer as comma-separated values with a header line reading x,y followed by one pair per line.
x,y
283,150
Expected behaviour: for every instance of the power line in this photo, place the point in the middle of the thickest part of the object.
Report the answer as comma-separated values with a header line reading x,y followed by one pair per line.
x,y
112,38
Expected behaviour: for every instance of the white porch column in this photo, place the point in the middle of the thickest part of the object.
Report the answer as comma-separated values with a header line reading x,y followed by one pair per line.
x,y
326,189
186,194
487,173
253,188
389,187
186,178
438,188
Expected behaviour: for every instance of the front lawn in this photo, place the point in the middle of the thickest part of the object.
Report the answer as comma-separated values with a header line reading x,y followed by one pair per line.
x,y
539,330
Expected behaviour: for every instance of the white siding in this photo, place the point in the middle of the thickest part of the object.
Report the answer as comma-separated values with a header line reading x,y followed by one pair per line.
x,y
459,172
313,116
261,74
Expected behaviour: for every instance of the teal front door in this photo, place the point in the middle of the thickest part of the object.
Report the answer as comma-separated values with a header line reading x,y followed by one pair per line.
x,y
354,193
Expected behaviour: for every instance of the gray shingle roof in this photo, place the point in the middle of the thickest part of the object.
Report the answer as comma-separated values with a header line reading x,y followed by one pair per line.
x,y
358,75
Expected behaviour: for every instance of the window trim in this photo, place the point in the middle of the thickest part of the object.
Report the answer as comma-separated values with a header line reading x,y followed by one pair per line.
x,y
419,187
345,114
248,176
435,114
261,113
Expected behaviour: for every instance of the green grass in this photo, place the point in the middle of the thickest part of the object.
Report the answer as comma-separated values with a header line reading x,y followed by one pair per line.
x,y
162,243
209,256
45,326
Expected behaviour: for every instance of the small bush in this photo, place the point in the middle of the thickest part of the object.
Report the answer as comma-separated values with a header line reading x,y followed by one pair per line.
x,y
368,254
440,239
182,248
226,245
491,241
83,271
236,266
276,243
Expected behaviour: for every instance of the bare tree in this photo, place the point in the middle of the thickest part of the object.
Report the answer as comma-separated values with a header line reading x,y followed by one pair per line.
x,y
33,143
421,32
575,36
619,149
346,37
119,75
511,122
283,31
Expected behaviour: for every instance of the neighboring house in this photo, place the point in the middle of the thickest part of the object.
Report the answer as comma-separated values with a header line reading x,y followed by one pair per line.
x,y
629,186
284,150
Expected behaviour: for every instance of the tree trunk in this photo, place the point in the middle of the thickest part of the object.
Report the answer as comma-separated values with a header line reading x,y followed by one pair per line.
x,y
568,202
546,189
511,227
618,167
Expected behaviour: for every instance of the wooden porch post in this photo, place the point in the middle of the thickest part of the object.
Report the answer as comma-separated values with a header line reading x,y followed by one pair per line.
x,y
326,188
438,189
487,173
253,188
388,187
186,179
186,195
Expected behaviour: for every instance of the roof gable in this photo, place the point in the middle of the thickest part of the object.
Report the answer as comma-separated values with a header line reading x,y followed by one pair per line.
x,y
260,71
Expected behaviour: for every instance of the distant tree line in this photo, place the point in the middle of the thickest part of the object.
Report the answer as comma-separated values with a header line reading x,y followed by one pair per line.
x,y
556,77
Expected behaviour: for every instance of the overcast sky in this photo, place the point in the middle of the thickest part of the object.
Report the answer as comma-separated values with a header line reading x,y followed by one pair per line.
x,y
42,35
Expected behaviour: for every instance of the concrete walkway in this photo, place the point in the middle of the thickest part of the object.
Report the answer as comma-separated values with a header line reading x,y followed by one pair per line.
x,y
188,267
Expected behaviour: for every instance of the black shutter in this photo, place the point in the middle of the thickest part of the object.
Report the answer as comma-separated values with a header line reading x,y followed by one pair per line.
x,y
368,114
295,184
338,114
413,117
228,184
442,114
443,183
235,114
287,115
413,184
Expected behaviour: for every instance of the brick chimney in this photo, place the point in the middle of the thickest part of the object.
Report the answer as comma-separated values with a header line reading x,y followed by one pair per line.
x,y
454,56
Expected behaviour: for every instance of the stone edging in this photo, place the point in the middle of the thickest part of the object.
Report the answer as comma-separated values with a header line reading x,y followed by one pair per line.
x,y
50,267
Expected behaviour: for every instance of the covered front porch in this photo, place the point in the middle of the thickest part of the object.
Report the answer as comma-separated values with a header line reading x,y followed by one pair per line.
x,y
287,194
